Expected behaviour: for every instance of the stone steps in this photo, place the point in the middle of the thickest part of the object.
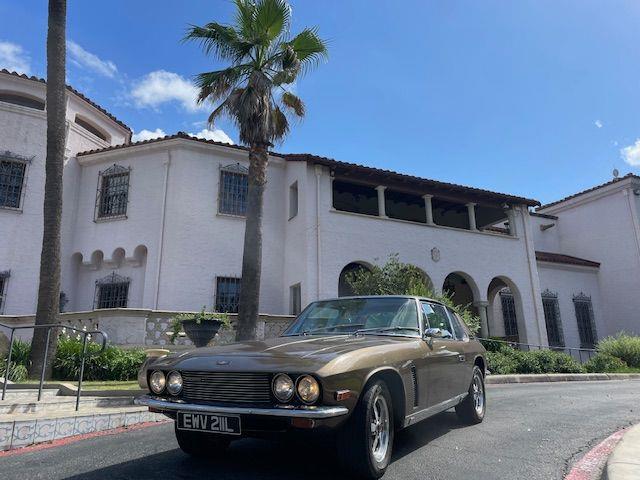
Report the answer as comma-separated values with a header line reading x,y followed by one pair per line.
x,y
52,404
29,393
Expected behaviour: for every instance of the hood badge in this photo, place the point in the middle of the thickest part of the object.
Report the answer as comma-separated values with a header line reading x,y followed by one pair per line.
x,y
223,362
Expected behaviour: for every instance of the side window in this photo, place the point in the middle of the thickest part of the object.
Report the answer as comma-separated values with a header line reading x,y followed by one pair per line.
x,y
113,193
435,316
458,326
233,188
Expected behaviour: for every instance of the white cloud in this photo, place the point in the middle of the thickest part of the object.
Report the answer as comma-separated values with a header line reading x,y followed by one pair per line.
x,y
83,59
160,87
631,154
216,134
147,135
14,58
598,123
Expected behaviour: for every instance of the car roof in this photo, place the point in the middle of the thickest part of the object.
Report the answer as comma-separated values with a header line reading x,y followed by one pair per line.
x,y
417,297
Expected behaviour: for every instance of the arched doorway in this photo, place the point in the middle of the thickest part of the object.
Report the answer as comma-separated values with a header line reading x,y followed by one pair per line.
x,y
504,312
462,290
344,289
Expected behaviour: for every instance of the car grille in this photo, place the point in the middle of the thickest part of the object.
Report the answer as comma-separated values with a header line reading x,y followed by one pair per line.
x,y
226,387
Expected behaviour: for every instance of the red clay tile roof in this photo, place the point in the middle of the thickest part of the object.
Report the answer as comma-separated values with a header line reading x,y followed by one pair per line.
x,y
72,90
343,166
424,183
610,182
184,135
566,259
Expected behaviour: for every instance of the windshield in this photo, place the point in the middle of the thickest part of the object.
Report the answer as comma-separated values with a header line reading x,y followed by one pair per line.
x,y
377,316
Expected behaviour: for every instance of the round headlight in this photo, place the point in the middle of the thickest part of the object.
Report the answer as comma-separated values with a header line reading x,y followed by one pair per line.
x,y
308,389
174,383
283,387
157,381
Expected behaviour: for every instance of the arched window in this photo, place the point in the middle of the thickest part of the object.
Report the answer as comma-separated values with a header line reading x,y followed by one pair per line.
x,y
89,127
344,288
22,100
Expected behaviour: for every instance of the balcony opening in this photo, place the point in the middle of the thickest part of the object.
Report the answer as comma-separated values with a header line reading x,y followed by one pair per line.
x,y
491,219
405,206
352,197
450,214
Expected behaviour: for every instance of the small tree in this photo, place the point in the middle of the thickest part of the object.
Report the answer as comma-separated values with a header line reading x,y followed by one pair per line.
x,y
397,278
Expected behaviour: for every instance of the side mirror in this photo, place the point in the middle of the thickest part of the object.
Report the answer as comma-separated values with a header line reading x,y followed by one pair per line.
x,y
433,333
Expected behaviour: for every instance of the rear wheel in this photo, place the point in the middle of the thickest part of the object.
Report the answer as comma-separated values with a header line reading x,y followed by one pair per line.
x,y
471,410
203,445
366,441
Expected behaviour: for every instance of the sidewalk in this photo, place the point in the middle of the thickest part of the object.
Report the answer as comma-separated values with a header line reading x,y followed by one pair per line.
x,y
624,462
558,377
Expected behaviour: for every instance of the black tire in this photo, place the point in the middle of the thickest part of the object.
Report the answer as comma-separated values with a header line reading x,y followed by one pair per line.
x,y
201,445
472,409
355,442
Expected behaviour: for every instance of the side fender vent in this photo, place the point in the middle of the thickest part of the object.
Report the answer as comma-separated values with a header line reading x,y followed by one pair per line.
x,y
414,378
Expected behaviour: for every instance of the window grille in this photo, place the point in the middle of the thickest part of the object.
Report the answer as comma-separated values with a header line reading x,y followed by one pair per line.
x,y
4,279
584,317
232,194
509,314
295,296
12,174
227,294
552,319
112,291
113,192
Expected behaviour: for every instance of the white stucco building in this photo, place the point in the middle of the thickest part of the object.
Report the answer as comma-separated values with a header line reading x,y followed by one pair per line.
x,y
159,225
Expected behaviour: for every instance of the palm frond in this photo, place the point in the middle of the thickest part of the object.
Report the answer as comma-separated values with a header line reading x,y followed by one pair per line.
x,y
272,18
215,85
221,40
293,103
310,49
245,18
279,124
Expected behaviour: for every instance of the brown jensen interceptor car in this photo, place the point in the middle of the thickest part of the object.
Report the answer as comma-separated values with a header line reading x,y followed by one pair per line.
x,y
359,368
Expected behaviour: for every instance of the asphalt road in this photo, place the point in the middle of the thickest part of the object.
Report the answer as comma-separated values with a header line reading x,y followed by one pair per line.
x,y
531,431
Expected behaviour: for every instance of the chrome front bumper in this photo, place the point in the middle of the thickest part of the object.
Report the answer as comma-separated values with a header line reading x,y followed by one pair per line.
x,y
284,411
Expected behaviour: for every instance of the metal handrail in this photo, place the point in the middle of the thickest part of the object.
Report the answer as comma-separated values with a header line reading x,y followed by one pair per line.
x,y
590,351
49,327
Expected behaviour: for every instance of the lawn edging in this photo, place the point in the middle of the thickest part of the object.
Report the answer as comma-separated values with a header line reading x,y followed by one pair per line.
x,y
558,377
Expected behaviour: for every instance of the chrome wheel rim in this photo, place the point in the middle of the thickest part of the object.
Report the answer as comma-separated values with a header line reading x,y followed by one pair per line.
x,y
478,394
379,428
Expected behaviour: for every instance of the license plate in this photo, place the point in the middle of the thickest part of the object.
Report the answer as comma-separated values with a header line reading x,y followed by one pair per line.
x,y
209,422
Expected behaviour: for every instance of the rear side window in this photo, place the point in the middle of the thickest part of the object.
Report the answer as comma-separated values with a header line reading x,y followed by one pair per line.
x,y
459,327
437,317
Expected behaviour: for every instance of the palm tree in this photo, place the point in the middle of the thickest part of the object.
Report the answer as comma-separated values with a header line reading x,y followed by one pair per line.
x,y
251,92
49,288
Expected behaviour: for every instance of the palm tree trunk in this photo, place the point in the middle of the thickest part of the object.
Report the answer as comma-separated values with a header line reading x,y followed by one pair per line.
x,y
49,288
252,253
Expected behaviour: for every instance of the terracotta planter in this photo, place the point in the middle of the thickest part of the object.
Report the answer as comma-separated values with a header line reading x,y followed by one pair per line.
x,y
201,333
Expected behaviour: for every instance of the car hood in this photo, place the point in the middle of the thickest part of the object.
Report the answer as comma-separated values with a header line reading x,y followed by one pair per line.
x,y
293,354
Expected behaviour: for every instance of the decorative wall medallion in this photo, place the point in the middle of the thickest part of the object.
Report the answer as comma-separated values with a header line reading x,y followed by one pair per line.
x,y
435,254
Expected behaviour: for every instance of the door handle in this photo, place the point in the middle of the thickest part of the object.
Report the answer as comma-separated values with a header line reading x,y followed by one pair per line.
x,y
461,358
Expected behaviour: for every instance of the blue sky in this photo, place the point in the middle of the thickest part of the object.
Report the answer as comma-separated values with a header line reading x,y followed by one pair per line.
x,y
537,98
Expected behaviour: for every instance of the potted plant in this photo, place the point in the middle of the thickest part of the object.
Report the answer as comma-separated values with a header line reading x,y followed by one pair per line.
x,y
200,327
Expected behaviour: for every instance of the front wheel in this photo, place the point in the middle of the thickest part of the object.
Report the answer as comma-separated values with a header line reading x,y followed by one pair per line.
x,y
471,410
366,441
201,445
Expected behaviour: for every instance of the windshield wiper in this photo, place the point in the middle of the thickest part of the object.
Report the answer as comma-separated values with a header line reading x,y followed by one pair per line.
x,y
321,329
384,329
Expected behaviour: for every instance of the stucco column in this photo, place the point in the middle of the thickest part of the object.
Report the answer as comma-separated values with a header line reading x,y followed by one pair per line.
x,y
511,217
471,209
484,322
382,211
428,208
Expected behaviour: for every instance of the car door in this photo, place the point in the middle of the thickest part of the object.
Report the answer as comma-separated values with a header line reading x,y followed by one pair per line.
x,y
444,356
466,357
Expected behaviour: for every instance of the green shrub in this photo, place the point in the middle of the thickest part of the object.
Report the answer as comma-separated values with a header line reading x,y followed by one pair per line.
x,y
556,362
496,345
623,346
605,363
500,363
114,363
505,360
17,372
19,361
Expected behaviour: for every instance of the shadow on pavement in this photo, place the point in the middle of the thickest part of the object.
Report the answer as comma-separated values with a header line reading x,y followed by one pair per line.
x,y
253,459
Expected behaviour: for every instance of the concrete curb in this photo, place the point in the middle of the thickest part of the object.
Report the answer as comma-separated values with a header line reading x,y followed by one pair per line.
x,y
559,377
624,462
